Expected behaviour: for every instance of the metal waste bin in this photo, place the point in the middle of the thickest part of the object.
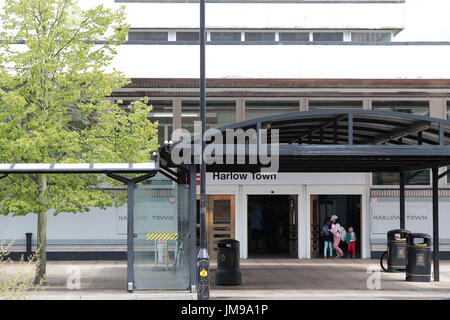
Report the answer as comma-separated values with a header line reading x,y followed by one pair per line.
x,y
396,250
418,255
228,271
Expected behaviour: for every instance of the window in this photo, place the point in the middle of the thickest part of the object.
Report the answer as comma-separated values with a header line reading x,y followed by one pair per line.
x,y
328,36
412,177
413,107
163,113
258,109
371,36
260,36
188,36
334,104
294,36
393,178
218,114
225,36
142,35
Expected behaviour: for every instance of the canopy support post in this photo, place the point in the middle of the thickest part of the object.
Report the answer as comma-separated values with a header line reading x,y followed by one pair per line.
x,y
435,223
402,200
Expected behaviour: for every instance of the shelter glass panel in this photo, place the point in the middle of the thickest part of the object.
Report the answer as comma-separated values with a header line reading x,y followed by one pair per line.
x,y
412,177
161,244
258,109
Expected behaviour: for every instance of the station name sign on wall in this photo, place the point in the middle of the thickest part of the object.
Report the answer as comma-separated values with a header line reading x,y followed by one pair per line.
x,y
281,178
225,176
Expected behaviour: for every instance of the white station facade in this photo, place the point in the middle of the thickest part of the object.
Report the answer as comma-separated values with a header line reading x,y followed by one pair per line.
x,y
266,58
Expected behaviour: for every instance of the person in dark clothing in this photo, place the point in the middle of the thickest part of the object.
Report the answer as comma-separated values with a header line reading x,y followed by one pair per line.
x,y
327,238
270,228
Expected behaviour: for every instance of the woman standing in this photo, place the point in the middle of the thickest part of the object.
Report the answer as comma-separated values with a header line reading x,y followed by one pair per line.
x,y
338,233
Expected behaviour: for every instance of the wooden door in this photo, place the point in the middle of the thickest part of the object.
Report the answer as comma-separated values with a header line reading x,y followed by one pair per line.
x,y
220,221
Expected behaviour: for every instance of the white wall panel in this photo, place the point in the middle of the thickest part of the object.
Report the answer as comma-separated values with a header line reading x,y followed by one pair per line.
x,y
286,61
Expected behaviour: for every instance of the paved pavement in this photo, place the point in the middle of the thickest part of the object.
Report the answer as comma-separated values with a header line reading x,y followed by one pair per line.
x,y
261,279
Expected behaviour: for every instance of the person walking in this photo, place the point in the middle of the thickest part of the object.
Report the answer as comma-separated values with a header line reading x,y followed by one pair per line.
x,y
350,238
327,238
338,234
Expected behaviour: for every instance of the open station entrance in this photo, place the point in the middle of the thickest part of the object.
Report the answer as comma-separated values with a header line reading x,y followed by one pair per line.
x,y
272,226
348,210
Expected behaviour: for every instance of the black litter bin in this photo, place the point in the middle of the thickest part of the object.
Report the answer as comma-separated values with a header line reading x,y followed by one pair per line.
x,y
228,271
418,255
396,250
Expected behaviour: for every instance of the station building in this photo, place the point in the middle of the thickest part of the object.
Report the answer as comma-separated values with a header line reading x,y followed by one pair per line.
x,y
267,58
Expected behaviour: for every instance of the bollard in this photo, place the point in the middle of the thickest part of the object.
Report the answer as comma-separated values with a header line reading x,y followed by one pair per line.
x,y
28,245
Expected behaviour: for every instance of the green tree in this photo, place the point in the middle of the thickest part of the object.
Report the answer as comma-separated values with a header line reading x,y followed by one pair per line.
x,y
54,80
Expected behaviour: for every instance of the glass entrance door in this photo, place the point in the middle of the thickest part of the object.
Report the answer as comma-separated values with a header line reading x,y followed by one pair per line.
x,y
161,244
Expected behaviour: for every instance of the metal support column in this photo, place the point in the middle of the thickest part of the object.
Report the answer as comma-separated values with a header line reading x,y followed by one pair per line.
x,y
130,236
402,200
193,227
203,257
350,128
435,181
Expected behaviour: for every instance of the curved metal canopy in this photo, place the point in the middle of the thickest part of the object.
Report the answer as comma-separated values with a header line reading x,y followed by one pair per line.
x,y
344,141
367,127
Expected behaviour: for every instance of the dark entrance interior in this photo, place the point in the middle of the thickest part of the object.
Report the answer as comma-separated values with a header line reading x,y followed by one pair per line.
x,y
348,210
272,226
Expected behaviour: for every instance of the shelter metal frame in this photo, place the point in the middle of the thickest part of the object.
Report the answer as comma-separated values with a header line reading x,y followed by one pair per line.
x,y
113,170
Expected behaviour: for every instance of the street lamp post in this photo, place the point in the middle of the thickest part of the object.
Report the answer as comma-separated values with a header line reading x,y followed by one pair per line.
x,y
203,257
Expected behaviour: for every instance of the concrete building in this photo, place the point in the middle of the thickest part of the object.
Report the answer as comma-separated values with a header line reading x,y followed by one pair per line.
x,y
272,57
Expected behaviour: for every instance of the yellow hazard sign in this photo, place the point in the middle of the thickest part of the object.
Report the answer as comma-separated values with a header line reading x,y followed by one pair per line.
x,y
203,273
161,236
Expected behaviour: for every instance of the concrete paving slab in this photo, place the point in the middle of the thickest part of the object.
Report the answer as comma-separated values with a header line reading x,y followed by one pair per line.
x,y
285,279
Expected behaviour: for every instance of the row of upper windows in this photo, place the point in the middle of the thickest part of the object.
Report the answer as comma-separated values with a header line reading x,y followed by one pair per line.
x,y
266,36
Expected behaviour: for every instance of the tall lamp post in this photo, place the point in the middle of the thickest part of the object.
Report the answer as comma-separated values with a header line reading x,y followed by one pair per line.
x,y
203,257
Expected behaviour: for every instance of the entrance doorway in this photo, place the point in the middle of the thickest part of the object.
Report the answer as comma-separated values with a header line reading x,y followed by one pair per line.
x,y
348,210
219,221
272,226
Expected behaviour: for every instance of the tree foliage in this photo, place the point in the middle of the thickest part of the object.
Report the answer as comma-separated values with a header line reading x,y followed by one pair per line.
x,y
53,106
54,80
